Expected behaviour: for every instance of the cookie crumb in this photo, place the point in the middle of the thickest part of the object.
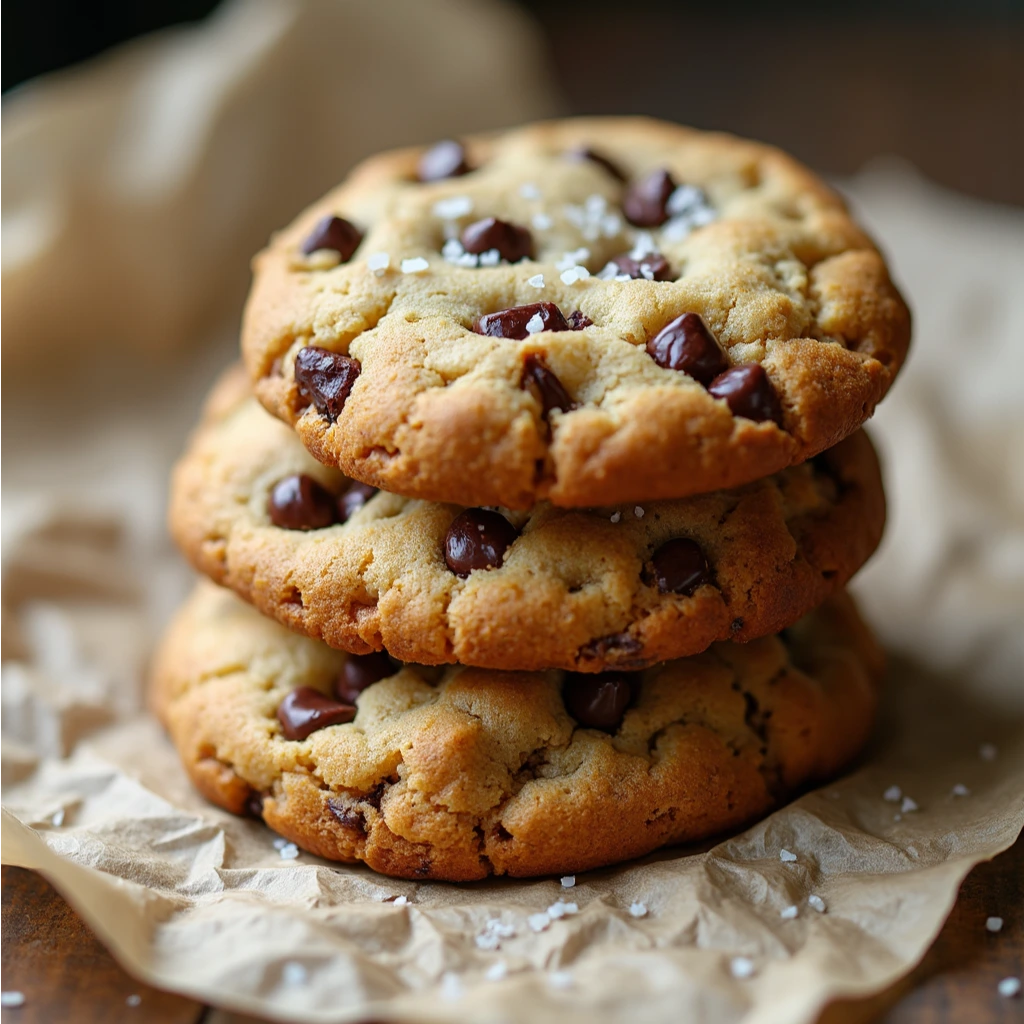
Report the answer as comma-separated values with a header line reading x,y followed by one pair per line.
x,y
11,999
133,1000
453,207
537,281
786,857
741,967
378,262
790,912
638,909
893,794
817,903
1009,987
994,924
497,971
568,881
415,265
960,790
987,752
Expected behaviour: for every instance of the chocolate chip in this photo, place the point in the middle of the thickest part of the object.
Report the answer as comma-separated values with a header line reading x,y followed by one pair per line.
x,y
477,539
748,393
254,805
547,388
306,710
586,153
511,323
645,203
352,499
622,648
686,344
325,378
334,233
298,502
361,671
578,320
679,567
597,701
512,241
651,267
446,159
346,816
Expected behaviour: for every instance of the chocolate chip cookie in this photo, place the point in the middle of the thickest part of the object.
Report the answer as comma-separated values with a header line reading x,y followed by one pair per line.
x,y
460,773
587,312
621,586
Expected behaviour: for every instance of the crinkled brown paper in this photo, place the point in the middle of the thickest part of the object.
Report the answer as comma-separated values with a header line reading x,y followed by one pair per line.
x,y
194,900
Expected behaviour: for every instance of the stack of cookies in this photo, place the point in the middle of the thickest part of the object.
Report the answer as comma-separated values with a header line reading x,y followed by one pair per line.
x,y
538,492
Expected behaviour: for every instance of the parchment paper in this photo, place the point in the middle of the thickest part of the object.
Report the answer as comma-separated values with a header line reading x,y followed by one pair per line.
x,y
194,900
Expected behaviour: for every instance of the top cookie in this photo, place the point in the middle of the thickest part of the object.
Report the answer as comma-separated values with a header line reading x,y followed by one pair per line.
x,y
587,311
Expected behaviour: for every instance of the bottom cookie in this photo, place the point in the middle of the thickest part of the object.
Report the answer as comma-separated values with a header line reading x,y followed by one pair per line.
x,y
458,773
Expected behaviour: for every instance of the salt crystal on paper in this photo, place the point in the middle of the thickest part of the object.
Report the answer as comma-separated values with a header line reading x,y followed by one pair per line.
x,y
12,998
790,912
892,794
400,901
58,818
987,752
1009,987
451,986
415,265
961,790
568,881
289,851
562,909
488,941
378,262
280,842
497,971
908,805
638,909
560,979
537,281
535,324
741,966
912,850
994,924
538,922
817,903
453,207
293,973
786,857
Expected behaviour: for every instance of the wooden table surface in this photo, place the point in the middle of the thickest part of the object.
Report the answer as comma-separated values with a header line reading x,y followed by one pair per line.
x,y
66,975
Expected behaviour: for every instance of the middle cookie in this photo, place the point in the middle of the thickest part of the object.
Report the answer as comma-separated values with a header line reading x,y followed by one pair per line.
x,y
583,590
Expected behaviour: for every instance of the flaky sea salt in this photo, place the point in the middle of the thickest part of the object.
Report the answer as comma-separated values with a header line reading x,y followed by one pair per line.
x,y
541,221
453,207
1009,987
741,967
538,922
415,265
994,924
400,901
892,794
562,909
451,987
490,258
569,260
817,903
537,281
133,1000
58,818
786,857
528,190
568,881
11,999
293,973
638,909
615,517
378,262
535,324
908,805
560,979
497,971
574,274
790,912
638,511
487,941
280,842
987,752
960,790
289,851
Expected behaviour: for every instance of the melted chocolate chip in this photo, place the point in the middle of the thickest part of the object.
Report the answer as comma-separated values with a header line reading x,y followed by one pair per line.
x,y
597,701
679,567
254,805
586,153
352,499
511,323
548,389
646,201
578,320
748,393
446,159
687,345
298,502
651,267
346,816
361,671
513,242
325,378
306,710
477,539
334,233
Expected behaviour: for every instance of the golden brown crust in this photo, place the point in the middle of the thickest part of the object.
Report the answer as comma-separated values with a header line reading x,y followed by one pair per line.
x,y
573,592
464,773
783,277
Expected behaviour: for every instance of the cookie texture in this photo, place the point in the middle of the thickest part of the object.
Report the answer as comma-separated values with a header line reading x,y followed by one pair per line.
x,y
628,223
618,586
461,773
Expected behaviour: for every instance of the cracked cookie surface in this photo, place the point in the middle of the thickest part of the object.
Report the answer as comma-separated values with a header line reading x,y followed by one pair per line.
x,y
432,397
585,590
459,773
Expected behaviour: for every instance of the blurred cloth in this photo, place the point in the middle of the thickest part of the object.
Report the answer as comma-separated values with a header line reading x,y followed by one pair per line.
x,y
137,187
136,191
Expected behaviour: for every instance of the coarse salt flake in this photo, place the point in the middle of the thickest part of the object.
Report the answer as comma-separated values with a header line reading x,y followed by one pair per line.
x,y
786,857
560,979
497,971
58,818
378,262
451,986
790,912
892,794
488,941
1009,987
741,967
817,903
909,804
568,881
994,924
537,281
490,258
538,922
133,1000
453,207
293,973
638,909
535,324
616,517
961,790
415,265
638,511
12,998
279,843
987,751
400,901
562,909
541,221
528,190
289,851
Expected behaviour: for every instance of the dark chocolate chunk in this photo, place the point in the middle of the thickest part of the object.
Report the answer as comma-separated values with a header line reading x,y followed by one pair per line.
x,y
361,671
597,701
748,393
346,816
578,320
511,323
445,159
547,388
254,805
651,267
477,539
298,502
352,499
334,233
679,567
325,378
513,242
686,344
645,203
305,710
